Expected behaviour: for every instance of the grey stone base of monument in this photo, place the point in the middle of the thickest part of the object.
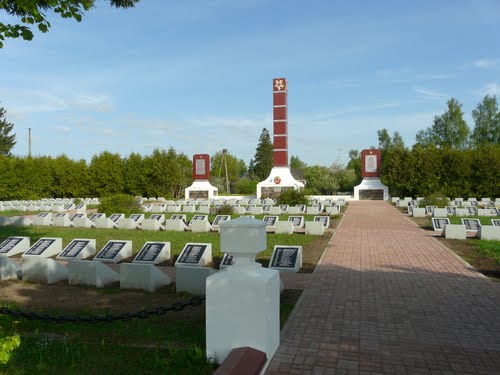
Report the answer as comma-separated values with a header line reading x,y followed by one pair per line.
x,y
89,272
488,232
419,212
9,269
142,276
455,231
315,228
284,227
43,270
192,279
371,188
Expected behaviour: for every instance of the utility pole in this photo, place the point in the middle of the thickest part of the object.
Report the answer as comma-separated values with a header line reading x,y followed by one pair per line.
x,y
224,155
29,142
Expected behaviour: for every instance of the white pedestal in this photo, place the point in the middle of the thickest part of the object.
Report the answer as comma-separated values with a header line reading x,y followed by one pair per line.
x,y
89,272
192,279
371,183
104,223
142,276
126,224
9,269
82,222
454,231
284,227
61,221
203,186
488,232
175,225
151,224
43,270
315,228
14,245
201,226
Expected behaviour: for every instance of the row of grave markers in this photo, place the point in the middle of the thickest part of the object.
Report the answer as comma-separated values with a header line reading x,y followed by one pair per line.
x,y
38,266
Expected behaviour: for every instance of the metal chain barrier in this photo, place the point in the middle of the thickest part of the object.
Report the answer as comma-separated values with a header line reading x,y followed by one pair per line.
x,y
142,314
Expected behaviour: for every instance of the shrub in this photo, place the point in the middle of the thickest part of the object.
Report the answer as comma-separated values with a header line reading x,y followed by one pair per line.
x,y
224,210
119,203
436,199
293,197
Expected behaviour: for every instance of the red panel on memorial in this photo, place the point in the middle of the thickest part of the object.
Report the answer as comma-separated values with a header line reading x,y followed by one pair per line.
x,y
370,163
280,143
279,84
279,98
279,113
201,167
279,128
280,158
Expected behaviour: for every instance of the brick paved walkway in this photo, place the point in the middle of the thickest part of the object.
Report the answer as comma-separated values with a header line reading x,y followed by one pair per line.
x,y
390,299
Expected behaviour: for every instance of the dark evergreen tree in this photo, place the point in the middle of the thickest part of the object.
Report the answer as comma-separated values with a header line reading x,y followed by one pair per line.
x,y
7,140
263,159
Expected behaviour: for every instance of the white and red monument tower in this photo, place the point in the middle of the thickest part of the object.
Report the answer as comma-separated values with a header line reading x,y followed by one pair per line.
x,y
280,178
371,187
201,187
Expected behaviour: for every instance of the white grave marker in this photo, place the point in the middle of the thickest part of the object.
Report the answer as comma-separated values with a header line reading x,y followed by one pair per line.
x,y
286,258
114,251
471,224
153,253
79,248
45,248
439,223
14,245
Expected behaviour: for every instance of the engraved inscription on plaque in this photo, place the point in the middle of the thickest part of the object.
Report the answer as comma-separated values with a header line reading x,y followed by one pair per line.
x,y
227,260
285,257
74,248
155,217
200,167
439,223
150,252
40,246
270,220
76,216
115,217
220,218
9,244
322,219
111,250
61,214
471,224
192,254
371,163
135,217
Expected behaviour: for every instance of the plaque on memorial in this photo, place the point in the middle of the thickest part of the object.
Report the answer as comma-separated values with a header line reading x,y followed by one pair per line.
x,y
62,214
249,207
494,211
76,216
151,253
471,224
136,217
43,214
179,217
116,217
298,221
227,260
429,209
270,220
450,210
439,223
40,246
266,208
157,217
198,217
9,244
410,210
457,203
302,207
68,206
221,218
74,249
472,210
111,250
80,206
323,219
286,258
96,216
192,254
495,222
284,207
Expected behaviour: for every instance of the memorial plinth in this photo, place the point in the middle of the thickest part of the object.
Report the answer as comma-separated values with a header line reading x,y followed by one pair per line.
x,y
201,187
242,301
371,188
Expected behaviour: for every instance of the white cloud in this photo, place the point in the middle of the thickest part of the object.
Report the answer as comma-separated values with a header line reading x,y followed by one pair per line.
x,y
429,94
486,63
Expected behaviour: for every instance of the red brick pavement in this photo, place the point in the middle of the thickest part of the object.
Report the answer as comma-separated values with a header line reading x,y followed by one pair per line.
x,y
388,298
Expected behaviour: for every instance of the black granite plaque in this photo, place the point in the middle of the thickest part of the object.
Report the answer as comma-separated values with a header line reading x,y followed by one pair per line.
x,y
302,207
149,252
296,220
450,210
180,217
270,220
227,260
62,214
43,214
322,219
80,206
95,216
192,254
472,210
284,207
266,208
76,216
74,248
9,244
495,222
156,217
115,217
285,257
439,223
458,203
494,211
111,250
429,209
471,224
220,218
40,246
67,206
249,207
135,217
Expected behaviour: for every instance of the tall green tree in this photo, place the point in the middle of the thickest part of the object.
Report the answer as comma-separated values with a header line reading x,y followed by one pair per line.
x,y
321,180
354,163
486,122
235,167
107,174
295,162
135,178
448,130
33,12
263,159
7,140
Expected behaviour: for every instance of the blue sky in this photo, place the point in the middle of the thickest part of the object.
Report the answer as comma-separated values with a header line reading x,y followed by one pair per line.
x,y
197,75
